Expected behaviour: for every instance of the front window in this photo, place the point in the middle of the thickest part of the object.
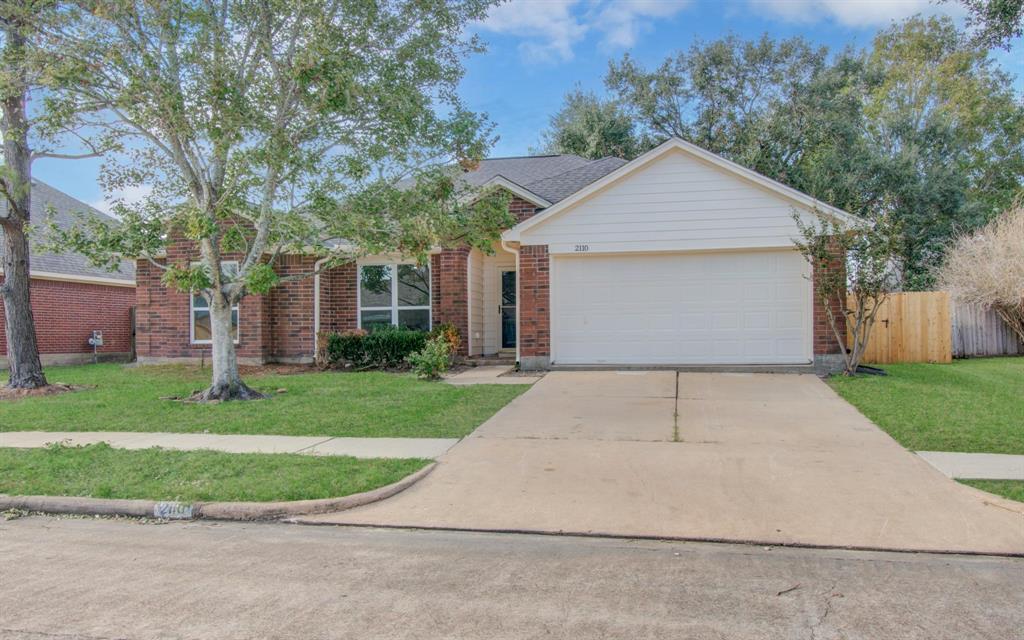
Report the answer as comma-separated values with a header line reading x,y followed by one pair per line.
x,y
394,294
202,329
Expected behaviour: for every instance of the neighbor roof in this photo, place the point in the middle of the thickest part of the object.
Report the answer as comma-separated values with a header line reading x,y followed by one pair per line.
x,y
49,204
551,177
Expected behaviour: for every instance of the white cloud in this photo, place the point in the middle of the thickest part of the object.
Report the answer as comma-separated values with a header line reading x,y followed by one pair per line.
x,y
851,13
127,195
549,29
622,21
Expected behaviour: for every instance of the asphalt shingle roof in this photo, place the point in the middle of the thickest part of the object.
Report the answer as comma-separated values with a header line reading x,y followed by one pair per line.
x,y
553,177
50,204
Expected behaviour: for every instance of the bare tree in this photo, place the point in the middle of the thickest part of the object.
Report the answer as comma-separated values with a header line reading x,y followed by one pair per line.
x,y
986,268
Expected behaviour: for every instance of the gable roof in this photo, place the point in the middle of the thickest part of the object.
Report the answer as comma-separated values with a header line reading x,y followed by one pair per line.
x,y
50,204
670,145
542,180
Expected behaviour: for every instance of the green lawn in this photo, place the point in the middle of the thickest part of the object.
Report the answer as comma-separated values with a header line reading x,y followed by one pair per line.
x,y
98,471
369,404
1012,489
969,405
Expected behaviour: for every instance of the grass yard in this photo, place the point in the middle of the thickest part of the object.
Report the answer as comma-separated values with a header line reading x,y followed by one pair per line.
x,y
1012,489
368,404
99,471
970,405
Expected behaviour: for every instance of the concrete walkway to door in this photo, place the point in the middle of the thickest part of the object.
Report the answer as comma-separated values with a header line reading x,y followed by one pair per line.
x,y
776,459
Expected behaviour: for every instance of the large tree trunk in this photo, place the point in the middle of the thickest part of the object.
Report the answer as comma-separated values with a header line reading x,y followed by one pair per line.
x,y
227,383
26,371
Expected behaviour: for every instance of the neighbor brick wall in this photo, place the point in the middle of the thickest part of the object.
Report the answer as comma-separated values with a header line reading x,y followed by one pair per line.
x,y
66,313
449,272
534,301
824,338
521,209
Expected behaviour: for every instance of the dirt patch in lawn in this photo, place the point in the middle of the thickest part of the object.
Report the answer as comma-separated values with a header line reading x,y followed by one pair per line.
x,y
54,389
276,369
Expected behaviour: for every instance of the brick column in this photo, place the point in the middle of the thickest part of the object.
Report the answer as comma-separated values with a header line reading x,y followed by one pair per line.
x,y
449,290
338,291
534,307
828,356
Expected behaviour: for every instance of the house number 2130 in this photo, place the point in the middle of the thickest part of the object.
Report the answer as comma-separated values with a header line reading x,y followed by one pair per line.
x,y
579,248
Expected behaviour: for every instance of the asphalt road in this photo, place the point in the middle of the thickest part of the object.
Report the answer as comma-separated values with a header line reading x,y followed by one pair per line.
x,y
90,578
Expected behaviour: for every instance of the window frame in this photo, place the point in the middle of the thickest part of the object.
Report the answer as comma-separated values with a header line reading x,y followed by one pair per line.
x,y
236,308
394,308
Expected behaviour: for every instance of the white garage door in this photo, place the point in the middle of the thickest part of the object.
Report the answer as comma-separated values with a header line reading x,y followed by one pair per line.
x,y
694,308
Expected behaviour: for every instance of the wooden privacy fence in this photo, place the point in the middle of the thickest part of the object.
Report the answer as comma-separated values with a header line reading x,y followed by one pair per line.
x,y
980,332
914,326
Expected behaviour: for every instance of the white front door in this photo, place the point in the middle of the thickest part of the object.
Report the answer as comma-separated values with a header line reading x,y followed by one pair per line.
x,y
749,307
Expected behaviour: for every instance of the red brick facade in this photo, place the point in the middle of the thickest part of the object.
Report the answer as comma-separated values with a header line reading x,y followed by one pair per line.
x,y
66,313
338,291
824,338
278,326
521,209
449,290
534,301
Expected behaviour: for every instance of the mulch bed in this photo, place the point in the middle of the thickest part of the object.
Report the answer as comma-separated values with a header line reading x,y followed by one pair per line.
x,y
53,389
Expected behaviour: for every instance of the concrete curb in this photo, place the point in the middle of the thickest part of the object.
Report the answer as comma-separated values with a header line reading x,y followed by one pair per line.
x,y
246,511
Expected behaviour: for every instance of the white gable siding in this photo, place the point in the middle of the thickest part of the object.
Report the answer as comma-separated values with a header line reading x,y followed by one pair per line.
x,y
676,203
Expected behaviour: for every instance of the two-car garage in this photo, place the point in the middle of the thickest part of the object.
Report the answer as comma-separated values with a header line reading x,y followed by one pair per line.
x,y
679,257
681,308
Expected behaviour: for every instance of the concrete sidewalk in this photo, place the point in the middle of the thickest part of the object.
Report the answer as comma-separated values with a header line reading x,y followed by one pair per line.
x,y
310,445
976,466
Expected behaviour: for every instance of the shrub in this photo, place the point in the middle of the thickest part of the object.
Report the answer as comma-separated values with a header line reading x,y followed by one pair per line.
x,y
386,347
986,268
433,360
450,333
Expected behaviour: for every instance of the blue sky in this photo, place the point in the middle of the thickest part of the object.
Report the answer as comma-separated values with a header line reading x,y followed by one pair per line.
x,y
540,49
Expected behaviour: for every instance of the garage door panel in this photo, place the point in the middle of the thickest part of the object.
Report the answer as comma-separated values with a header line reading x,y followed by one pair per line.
x,y
697,308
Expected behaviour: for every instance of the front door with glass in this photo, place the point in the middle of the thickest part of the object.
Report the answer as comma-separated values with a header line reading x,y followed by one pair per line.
x,y
508,309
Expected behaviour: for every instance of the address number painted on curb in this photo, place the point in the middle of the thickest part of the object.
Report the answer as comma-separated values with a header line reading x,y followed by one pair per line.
x,y
172,511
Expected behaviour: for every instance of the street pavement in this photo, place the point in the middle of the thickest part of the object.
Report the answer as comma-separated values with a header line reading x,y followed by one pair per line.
x,y
95,578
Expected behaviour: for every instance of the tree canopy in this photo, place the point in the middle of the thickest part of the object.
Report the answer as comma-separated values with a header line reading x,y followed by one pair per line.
x,y
923,125
272,126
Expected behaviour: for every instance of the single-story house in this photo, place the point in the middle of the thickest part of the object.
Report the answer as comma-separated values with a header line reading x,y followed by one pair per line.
x,y
71,298
678,257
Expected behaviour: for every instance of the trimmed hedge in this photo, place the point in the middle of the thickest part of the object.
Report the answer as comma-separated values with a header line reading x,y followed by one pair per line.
x,y
384,348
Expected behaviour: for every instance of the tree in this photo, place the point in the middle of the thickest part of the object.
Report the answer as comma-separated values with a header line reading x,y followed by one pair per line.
x,y
986,268
850,262
592,128
777,107
274,126
947,134
22,75
995,22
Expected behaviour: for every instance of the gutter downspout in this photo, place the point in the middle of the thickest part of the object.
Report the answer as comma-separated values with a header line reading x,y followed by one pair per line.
x,y
506,247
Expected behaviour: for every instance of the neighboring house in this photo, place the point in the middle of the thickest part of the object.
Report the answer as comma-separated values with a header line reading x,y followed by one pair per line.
x,y
70,297
678,257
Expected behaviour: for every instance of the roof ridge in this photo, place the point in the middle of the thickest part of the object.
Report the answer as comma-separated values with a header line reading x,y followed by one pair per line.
x,y
543,155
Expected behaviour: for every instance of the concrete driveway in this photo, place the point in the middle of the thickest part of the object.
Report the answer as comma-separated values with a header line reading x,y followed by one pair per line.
x,y
776,459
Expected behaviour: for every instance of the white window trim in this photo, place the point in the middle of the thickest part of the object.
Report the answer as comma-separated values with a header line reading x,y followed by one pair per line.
x,y
394,308
192,314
